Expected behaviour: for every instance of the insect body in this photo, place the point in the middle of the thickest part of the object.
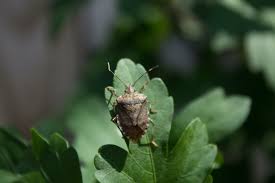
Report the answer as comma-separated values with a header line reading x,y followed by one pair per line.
x,y
131,111
132,114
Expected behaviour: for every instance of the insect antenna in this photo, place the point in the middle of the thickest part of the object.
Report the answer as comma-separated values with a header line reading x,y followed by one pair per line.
x,y
109,68
144,74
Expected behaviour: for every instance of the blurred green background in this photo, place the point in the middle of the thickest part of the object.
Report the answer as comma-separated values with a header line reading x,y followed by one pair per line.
x,y
197,44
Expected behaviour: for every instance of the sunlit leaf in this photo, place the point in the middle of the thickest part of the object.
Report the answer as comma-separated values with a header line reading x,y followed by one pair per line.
x,y
222,114
142,162
261,56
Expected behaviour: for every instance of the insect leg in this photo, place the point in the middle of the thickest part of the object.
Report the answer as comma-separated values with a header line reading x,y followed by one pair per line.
x,y
153,142
151,110
114,120
151,121
113,93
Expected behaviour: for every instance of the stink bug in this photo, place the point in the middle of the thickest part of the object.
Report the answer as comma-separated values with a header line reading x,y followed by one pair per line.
x,y
131,111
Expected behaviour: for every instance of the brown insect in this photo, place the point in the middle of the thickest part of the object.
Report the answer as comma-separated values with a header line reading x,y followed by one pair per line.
x,y
131,110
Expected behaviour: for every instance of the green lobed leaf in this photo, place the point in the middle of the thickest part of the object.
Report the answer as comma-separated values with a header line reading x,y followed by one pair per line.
x,y
39,144
110,162
142,162
58,162
58,143
115,165
12,150
135,168
70,166
260,48
221,114
51,167
16,158
192,157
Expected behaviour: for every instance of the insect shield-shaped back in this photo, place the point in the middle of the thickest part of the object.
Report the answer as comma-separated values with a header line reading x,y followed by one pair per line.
x,y
132,114
131,111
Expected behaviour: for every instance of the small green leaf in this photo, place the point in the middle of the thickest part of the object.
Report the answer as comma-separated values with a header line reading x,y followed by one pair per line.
x,y
12,150
12,136
51,167
114,155
39,144
219,161
8,177
62,168
70,166
221,114
260,52
58,143
32,177
191,150
108,174
209,179
58,162
6,161
111,160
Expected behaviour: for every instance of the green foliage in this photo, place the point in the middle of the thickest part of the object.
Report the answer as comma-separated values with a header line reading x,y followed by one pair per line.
x,y
242,23
8,177
260,52
12,151
32,177
182,154
17,164
235,17
209,179
39,144
115,164
240,33
42,161
143,163
221,114
58,162
192,149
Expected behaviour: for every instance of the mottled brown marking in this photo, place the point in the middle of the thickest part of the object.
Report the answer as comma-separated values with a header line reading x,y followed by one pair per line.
x,y
132,114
